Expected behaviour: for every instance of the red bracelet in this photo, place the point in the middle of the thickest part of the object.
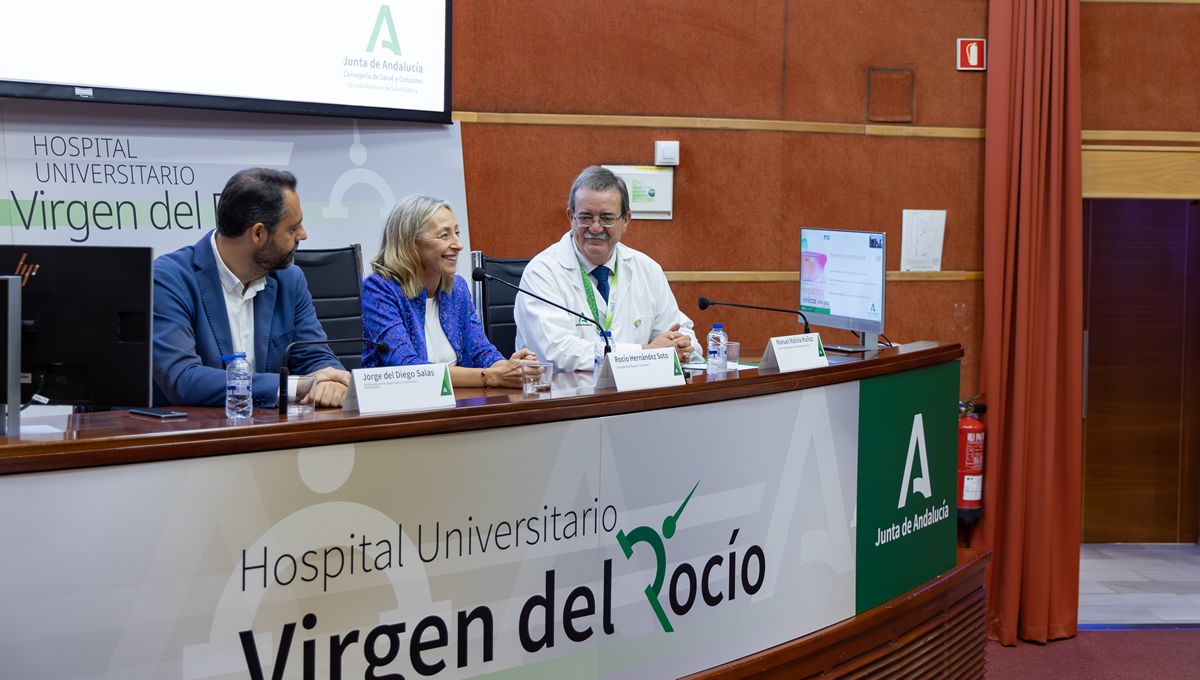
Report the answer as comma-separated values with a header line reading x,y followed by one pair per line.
x,y
483,376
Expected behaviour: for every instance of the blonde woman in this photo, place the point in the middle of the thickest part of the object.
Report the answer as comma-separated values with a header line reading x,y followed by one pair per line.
x,y
416,305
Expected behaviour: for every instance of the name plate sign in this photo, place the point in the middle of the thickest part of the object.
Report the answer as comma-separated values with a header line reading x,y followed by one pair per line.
x,y
399,388
794,353
641,370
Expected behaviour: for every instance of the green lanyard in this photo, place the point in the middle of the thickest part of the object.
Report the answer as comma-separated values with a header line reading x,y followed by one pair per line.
x,y
591,295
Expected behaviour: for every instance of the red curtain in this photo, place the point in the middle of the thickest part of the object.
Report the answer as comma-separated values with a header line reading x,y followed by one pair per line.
x,y
1032,361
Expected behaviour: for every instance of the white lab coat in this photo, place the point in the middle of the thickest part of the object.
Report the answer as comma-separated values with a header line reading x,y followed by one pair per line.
x,y
643,306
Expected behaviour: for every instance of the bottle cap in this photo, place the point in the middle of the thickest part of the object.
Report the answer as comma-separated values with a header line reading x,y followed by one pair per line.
x,y
235,355
718,325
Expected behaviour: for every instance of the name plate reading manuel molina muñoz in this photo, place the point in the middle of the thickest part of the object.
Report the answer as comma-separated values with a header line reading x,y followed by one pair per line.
x,y
794,353
399,388
640,370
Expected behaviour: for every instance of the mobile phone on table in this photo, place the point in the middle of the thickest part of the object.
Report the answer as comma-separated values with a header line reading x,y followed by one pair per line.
x,y
160,413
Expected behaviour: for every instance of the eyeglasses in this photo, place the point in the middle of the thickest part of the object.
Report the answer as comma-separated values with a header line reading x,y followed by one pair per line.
x,y
587,219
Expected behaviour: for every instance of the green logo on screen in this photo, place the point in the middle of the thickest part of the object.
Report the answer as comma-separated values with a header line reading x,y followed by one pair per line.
x,y
383,21
689,584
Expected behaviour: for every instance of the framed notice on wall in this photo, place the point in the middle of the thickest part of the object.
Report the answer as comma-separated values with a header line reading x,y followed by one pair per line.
x,y
651,190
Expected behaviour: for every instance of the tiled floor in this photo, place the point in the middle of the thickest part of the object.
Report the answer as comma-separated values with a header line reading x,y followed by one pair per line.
x,y
1139,584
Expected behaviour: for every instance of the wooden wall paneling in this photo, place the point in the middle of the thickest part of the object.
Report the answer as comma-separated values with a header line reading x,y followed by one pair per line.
x,y
953,311
832,43
1141,172
1140,69
705,123
1141,83
1189,469
726,213
925,131
942,275
834,182
890,95
803,59
831,181
768,102
1135,356
826,183
648,57
750,193
931,174
1141,136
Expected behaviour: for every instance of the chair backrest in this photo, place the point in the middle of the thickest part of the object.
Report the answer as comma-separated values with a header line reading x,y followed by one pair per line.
x,y
335,283
494,301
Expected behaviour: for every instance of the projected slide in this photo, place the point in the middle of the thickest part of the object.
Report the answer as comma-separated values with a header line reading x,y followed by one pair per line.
x,y
351,53
842,276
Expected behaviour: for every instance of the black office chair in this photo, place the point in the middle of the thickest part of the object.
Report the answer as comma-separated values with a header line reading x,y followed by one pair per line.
x,y
335,283
494,301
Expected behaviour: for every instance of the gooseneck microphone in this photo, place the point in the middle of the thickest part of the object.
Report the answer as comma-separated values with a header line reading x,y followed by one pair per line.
x,y
479,275
287,352
705,303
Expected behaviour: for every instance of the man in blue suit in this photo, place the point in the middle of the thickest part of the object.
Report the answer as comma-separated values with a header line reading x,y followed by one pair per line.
x,y
236,291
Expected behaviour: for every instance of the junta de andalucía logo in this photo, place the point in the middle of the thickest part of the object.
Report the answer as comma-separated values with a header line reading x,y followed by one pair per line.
x,y
383,22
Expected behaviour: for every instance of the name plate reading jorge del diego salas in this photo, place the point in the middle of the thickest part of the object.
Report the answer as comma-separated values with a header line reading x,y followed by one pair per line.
x,y
794,353
640,370
399,388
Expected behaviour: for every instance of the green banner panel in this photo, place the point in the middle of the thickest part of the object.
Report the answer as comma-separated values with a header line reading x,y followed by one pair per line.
x,y
907,480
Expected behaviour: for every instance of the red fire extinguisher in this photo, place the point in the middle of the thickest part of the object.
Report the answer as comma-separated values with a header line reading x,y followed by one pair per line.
x,y
971,434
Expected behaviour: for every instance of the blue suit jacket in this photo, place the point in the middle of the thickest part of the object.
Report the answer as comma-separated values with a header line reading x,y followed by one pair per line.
x,y
191,330
399,321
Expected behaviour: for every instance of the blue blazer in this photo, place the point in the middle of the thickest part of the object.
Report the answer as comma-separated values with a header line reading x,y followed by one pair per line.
x,y
191,330
393,318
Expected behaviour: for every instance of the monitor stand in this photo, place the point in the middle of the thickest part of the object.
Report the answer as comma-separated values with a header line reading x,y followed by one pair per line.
x,y
10,356
868,342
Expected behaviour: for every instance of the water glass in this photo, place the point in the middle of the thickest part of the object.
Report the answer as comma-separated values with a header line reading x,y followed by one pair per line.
x,y
298,387
535,377
733,354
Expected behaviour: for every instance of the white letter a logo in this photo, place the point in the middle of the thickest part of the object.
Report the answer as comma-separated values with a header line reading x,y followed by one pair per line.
x,y
916,442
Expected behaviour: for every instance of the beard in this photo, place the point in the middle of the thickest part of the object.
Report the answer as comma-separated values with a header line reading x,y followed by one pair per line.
x,y
270,258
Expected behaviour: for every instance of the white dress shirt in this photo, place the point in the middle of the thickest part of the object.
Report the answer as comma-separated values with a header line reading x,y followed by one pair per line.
x,y
239,305
641,302
437,345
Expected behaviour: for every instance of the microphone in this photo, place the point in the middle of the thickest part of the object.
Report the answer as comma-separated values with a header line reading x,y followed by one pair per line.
x,y
479,275
705,303
382,347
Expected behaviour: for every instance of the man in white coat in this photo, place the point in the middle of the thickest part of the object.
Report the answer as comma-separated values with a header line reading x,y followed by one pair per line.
x,y
591,271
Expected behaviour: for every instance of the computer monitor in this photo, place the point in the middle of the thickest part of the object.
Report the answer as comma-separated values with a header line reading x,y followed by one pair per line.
x,y
86,316
842,275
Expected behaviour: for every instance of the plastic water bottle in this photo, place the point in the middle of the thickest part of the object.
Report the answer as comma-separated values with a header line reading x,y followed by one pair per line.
x,y
239,386
599,351
718,344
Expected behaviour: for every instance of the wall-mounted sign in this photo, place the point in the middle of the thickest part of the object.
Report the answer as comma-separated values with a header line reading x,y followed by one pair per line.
x,y
972,54
651,190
